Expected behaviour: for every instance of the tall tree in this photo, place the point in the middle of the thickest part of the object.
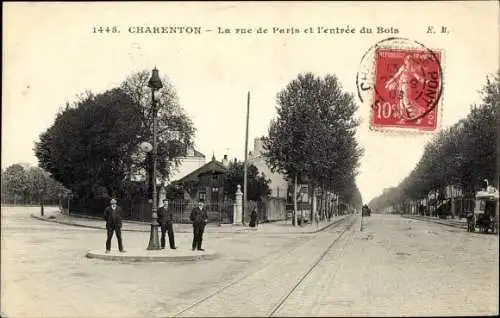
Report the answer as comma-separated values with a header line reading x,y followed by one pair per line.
x,y
258,184
23,184
93,144
175,128
89,145
14,181
313,134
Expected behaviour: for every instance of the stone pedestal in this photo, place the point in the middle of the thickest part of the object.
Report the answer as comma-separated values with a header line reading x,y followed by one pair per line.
x,y
453,209
238,207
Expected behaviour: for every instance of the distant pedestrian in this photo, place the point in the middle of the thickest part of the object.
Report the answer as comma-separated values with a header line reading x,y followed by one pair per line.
x,y
421,209
253,218
113,216
199,218
166,220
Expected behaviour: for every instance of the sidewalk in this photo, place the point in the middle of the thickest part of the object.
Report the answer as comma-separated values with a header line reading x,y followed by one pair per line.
x,y
279,227
461,223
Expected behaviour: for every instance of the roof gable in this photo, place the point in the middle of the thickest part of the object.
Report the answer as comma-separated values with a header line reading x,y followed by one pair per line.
x,y
198,154
212,167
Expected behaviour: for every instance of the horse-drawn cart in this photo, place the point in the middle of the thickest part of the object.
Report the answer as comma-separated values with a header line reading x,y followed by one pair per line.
x,y
485,215
365,210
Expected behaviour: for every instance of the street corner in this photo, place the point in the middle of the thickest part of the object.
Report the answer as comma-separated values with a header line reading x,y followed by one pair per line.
x,y
51,217
246,229
144,255
65,221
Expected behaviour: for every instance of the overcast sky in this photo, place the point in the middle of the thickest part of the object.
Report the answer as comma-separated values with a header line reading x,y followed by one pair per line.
x,y
51,54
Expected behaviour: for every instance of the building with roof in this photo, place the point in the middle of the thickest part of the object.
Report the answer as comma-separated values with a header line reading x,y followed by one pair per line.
x,y
278,184
187,164
205,183
192,160
275,205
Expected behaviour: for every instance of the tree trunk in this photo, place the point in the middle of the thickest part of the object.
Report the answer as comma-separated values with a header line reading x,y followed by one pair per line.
x,y
319,204
323,195
294,222
309,202
327,204
301,211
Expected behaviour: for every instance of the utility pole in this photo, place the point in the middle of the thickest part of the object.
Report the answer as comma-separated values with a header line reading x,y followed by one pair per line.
x,y
245,176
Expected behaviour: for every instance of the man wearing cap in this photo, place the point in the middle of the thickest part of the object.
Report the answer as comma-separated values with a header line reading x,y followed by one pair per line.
x,y
166,220
199,218
113,216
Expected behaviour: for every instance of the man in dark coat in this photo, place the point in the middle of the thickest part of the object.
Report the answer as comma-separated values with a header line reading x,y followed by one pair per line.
x,y
199,218
166,220
113,216
253,218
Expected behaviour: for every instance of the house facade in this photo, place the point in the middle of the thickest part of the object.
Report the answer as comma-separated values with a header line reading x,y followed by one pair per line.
x,y
205,183
188,163
278,184
191,161
275,205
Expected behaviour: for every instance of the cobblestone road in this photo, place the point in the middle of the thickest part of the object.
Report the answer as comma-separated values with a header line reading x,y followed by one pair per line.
x,y
395,266
265,287
45,272
400,267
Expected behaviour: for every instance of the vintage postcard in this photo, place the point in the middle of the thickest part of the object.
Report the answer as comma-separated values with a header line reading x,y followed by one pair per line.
x,y
164,159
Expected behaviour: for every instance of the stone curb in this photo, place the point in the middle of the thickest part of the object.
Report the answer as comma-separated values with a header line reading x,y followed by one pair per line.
x,y
461,226
89,217
130,257
81,225
242,230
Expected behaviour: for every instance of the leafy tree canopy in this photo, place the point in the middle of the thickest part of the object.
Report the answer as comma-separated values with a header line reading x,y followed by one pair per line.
x,y
90,143
23,183
257,186
314,134
93,144
462,155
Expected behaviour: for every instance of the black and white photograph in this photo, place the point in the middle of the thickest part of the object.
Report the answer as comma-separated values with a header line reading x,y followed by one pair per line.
x,y
250,159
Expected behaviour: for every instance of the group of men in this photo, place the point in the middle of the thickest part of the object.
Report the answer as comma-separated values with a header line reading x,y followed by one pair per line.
x,y
113,216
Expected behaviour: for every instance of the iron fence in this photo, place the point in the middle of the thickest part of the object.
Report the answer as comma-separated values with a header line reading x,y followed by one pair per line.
x,y
272,209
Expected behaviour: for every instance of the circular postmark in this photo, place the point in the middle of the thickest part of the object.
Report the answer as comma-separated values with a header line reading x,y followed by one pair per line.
x,y
402,81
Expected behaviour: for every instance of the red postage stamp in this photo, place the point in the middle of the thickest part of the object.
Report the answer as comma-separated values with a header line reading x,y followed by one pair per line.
x,y
403,86
407,84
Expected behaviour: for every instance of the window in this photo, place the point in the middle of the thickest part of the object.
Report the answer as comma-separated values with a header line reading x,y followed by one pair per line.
x,y
202,196
482,205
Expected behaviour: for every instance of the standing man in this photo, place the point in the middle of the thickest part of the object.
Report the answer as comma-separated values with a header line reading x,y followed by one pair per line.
x,y
253,218
113,216
166,220
199,218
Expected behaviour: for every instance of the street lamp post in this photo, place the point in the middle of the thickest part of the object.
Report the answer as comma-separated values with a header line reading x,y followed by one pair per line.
x,y
155,84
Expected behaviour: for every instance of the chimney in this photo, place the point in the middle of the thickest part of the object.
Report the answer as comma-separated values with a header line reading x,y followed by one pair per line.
x,y
225,162
258,146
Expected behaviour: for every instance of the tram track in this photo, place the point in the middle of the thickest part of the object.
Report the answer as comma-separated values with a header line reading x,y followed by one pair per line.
x,y
283,301
273,276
